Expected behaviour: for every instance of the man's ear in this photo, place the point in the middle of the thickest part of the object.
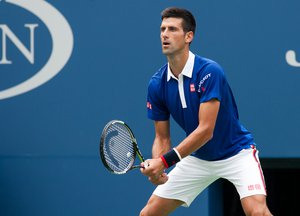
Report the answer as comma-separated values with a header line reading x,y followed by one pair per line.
x,y
189,36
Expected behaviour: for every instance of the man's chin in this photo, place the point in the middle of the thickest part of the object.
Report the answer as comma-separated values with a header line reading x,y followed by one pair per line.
x,y
166,52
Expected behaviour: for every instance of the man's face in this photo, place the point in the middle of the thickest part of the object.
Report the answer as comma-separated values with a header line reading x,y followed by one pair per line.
x,y
173,38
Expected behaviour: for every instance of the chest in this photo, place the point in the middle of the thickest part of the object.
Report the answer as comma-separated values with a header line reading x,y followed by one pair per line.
x,y
181,96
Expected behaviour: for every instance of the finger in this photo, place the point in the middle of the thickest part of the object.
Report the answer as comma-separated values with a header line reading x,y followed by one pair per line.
x,y
157,180
163,179
146,164
164,175
142,168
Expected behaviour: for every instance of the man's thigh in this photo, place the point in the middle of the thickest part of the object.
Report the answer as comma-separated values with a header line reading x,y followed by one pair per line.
x,y
186,181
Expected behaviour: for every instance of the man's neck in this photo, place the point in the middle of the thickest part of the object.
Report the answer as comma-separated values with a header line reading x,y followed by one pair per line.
x,y
177,62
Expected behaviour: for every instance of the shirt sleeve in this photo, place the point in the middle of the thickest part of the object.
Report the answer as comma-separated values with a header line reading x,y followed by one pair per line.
x,y
156,109
211,83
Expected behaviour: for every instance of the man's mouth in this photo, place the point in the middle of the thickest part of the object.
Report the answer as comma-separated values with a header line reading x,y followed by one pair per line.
x,y
166,43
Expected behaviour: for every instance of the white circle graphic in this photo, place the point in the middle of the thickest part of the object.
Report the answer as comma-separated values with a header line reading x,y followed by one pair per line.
x,y
290,57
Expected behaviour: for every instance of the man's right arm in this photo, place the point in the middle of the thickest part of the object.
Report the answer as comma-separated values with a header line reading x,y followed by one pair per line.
x,y
161,145
162,140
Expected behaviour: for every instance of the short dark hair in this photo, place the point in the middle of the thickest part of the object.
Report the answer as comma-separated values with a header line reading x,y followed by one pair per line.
x,y
189,22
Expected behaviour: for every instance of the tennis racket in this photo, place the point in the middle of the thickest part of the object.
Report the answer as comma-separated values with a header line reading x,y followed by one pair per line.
x,y
118,148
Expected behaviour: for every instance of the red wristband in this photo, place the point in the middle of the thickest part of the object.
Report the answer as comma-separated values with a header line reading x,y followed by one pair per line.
x,y
164,161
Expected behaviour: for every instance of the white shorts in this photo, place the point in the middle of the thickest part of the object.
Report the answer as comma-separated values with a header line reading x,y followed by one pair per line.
x,y
192,175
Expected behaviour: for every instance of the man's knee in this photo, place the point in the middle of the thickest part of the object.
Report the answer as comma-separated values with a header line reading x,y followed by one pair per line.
x,y
256,211
255,206
144,212
149,210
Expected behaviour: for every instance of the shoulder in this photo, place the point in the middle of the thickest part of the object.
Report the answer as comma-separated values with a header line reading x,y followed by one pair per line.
x,y
159,77
156,87
206,65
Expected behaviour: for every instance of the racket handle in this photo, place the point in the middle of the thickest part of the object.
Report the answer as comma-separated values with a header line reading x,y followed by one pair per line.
x,y
140,166
137,166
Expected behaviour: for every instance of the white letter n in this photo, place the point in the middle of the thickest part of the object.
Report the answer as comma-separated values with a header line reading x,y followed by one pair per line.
x,y
29,54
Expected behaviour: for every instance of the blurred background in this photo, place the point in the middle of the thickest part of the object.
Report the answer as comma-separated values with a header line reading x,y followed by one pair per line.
x,y
49,135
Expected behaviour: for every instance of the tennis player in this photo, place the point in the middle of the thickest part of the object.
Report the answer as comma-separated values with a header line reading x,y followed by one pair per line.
x,y
195,92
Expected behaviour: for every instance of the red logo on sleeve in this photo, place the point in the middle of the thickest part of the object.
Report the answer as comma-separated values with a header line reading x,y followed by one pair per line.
x,y
192,87
149,106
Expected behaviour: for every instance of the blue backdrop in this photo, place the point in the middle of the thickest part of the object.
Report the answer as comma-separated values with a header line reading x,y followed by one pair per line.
x,y
49,135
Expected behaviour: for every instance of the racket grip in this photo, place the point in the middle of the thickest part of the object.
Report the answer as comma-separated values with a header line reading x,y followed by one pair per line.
x,y
146,164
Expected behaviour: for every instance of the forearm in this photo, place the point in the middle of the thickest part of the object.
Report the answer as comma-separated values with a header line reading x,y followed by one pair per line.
x,y
162,140
194,141
191,143
208,113
160,147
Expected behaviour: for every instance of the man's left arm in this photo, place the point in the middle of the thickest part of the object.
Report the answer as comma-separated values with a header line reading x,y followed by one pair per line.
x,y
208,113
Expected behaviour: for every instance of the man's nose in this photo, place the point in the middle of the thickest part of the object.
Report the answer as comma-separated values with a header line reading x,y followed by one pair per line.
x,y
164,34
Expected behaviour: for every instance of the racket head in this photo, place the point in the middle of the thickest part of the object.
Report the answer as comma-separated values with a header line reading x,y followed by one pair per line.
x,y
117,147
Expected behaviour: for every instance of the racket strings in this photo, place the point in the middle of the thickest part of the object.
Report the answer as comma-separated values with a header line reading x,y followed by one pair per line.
x,y
118,148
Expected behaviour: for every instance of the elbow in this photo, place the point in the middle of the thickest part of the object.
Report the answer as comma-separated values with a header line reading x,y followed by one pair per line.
x,y
209,135
204,133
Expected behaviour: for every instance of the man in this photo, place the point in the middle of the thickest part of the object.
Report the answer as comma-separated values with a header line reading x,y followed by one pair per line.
x,y
195,92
